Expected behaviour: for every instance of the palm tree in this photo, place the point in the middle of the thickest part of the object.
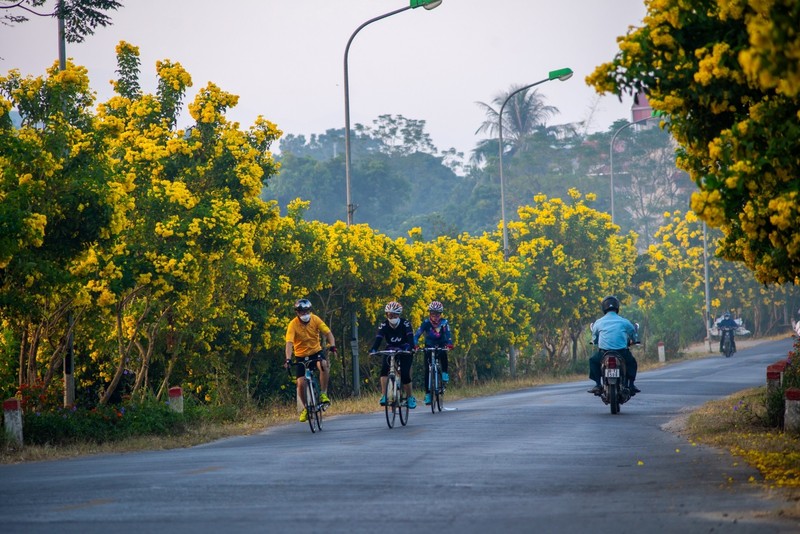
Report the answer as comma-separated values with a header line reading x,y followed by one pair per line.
x,y
523,115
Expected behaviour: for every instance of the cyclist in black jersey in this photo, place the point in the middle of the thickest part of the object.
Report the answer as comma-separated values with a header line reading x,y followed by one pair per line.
x,y
399,335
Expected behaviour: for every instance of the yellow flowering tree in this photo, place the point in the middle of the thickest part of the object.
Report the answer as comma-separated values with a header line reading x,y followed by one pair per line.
x,y
726,73
54,203
468,275
669,282
182,254
569,257
763,308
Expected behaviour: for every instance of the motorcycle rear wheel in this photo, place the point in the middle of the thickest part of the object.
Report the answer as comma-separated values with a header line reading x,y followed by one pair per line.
x,y
613,398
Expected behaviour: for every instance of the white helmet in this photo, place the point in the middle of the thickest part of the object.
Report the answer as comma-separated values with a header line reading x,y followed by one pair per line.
x,y
393,307
436,306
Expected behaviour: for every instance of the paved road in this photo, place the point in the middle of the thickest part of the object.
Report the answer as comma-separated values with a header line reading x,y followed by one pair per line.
x,y
549,459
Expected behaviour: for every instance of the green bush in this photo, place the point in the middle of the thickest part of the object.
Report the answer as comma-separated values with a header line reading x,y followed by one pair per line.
x,y
101,424
775,404
112,423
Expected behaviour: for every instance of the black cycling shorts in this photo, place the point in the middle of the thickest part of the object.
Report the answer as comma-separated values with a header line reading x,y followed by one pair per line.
x,y
300,369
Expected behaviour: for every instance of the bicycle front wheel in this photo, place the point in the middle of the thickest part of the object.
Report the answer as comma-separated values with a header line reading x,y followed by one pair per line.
x,y
402,405
318,417
317,407
311,406
391,402
432,387
438,399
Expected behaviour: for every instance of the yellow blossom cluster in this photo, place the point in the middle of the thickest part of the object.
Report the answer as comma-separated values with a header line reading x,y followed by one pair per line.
x,y
35,224
175,192
712,66
173,75
210,105
771,59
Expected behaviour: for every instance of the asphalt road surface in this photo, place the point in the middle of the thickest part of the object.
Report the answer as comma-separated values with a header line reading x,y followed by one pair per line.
x,y
547,459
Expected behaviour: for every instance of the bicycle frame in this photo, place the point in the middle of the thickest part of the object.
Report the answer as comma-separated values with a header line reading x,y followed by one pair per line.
x,y
311,393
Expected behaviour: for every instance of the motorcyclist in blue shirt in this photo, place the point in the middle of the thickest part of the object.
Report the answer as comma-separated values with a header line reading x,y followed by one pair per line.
x,y
727,326
613,332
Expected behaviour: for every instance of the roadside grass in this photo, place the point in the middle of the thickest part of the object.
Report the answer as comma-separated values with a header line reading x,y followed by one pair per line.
x,y
738,423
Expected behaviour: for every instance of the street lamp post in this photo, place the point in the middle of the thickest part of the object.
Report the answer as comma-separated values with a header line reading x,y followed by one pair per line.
x,y
611,157
427,4
708,293
560,74
413,4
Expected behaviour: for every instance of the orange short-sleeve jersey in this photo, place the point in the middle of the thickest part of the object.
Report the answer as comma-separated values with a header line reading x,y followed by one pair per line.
x,y
305,336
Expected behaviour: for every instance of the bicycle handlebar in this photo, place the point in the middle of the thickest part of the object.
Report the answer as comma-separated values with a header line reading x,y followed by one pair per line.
x,y
389,352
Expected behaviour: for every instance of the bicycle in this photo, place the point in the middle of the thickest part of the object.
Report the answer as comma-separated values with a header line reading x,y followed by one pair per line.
x,y
436,385
314,407
396,401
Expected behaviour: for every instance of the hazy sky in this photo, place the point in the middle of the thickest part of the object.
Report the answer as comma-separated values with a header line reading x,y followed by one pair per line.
x,y
284,58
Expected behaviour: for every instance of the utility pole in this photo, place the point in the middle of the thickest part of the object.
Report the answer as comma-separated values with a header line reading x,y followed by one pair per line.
x,y
69,363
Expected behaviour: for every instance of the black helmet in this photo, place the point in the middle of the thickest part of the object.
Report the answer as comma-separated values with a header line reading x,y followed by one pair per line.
x,y
302,305
726,315
610,303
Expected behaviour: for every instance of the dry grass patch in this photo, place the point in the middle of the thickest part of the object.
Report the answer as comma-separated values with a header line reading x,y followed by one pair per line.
x,y
737,423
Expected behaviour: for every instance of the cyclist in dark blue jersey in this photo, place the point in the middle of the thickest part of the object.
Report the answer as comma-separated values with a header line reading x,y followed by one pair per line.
x,y
436,332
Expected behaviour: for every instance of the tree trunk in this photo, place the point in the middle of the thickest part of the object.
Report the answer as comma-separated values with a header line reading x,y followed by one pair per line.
x,y
33,348
574,351
165,383
124,351
23,344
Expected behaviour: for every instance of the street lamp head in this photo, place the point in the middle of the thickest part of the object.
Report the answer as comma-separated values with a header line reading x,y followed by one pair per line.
x,y
427,4
560,74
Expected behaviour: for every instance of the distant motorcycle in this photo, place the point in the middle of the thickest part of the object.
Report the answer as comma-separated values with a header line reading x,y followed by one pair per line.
x,y
615,378
727,342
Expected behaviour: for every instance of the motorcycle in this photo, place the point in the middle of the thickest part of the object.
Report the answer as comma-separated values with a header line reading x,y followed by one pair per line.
x,y
615,381
614,378
727,341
